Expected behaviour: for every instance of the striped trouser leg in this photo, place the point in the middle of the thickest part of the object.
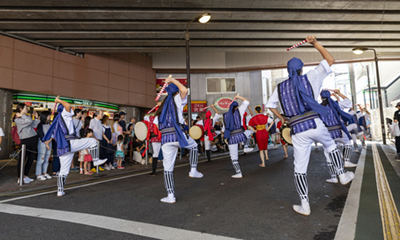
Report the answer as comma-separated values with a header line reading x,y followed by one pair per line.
x,y
337,161
347,150
193,157
169,181
300,180
341,149
331,169
236,165
94,151
61,182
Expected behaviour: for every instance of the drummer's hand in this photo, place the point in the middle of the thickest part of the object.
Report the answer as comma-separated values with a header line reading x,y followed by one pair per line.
x,y
336,91
57,100
284,120
169,79
311,39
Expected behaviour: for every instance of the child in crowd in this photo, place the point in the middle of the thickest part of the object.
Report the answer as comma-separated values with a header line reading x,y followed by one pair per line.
x,y
84,157
119,154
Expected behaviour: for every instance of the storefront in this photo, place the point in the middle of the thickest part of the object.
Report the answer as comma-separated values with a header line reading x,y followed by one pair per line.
x,y
40,103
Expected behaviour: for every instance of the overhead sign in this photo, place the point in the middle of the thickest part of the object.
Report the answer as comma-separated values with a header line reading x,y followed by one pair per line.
x,y
222,103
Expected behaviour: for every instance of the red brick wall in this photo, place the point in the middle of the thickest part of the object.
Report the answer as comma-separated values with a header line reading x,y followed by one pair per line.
x,y
121,78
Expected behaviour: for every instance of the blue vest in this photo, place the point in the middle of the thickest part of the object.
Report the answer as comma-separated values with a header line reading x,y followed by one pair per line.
x,y
168,133
362,122
237,135
332,124
287,98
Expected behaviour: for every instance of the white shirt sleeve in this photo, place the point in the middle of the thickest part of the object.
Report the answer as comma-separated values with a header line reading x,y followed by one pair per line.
x,y
179,101
359,115
345,103
317,75
273,100
115,125
242,108
66,114
155,121
1,132
215,118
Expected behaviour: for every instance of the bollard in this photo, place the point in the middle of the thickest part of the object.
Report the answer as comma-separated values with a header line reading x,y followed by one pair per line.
x,y
147,156
23,154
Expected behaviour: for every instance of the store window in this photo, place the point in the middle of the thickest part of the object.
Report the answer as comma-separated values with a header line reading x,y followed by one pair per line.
x,y
221,85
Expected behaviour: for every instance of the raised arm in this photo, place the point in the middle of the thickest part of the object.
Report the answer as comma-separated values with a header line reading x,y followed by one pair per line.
x,y
337,91
325,54
182,89
241,98
251,112
66,105
213,107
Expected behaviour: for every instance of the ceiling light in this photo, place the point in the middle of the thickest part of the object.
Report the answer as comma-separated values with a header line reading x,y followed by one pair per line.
x,y
359,50
205,18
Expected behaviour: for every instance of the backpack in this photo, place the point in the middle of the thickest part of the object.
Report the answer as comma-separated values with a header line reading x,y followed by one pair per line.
x,y
15,136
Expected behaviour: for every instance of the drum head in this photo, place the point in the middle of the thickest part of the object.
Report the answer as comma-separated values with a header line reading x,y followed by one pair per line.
x,y
285,134
195,132
141,131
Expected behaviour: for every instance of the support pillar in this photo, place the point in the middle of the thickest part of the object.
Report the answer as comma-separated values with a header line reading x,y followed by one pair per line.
x,y
6,105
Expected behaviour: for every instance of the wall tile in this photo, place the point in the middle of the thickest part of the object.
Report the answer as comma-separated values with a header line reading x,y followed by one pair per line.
x,y
151,89
138,59
66,57
118,82
96,77
98,93
97,61
6,41
32,82
33,63
33,49
118,66
6,57
137,86
6,77
118,96
69,88
69,71
137,99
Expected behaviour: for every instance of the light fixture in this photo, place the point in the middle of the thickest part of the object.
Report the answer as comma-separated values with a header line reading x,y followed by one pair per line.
x,y
204,18
359,50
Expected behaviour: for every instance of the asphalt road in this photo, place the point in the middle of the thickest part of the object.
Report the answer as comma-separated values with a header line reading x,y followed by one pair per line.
x,y
259,206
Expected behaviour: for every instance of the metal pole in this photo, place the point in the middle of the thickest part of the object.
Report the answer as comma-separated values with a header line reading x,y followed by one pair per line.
x,y
380,99
369,88
189,99
23,154
147,150
353,85
365,101
386,98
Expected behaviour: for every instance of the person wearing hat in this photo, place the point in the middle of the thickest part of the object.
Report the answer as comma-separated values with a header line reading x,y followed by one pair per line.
x,y
122,123
298,99
169,118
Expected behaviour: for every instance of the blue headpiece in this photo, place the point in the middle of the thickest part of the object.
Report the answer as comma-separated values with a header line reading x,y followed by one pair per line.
x,y
293,65
337,111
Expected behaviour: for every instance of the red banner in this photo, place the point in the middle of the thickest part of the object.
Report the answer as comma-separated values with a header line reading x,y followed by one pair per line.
x,y
197,107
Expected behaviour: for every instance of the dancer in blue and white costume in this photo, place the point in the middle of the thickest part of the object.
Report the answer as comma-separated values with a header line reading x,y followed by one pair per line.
x,y
169,118
337,129
234,133
297,96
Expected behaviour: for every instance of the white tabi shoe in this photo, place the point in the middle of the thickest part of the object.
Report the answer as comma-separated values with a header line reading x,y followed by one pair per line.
x,y
169,199
195,174
356,150
99,161
345,178
303,209
60,194
349,164
238,175
246,150
332,180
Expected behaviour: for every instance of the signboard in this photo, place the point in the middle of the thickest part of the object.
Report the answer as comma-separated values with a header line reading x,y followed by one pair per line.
x,y
197,106
222,103
160,82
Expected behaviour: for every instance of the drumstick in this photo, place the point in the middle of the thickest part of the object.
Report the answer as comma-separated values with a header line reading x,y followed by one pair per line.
x,y
297,45
152,109
207,107
233,100
54,109
162,90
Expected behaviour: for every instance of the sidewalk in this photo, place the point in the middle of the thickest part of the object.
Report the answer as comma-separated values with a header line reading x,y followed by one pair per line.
x,y
9,186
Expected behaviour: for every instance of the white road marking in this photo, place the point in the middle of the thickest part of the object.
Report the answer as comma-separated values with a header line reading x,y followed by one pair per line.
x,y
347,225
110,223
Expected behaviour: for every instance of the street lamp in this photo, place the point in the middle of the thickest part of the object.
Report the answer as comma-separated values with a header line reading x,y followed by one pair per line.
x,y
360,50
203,18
